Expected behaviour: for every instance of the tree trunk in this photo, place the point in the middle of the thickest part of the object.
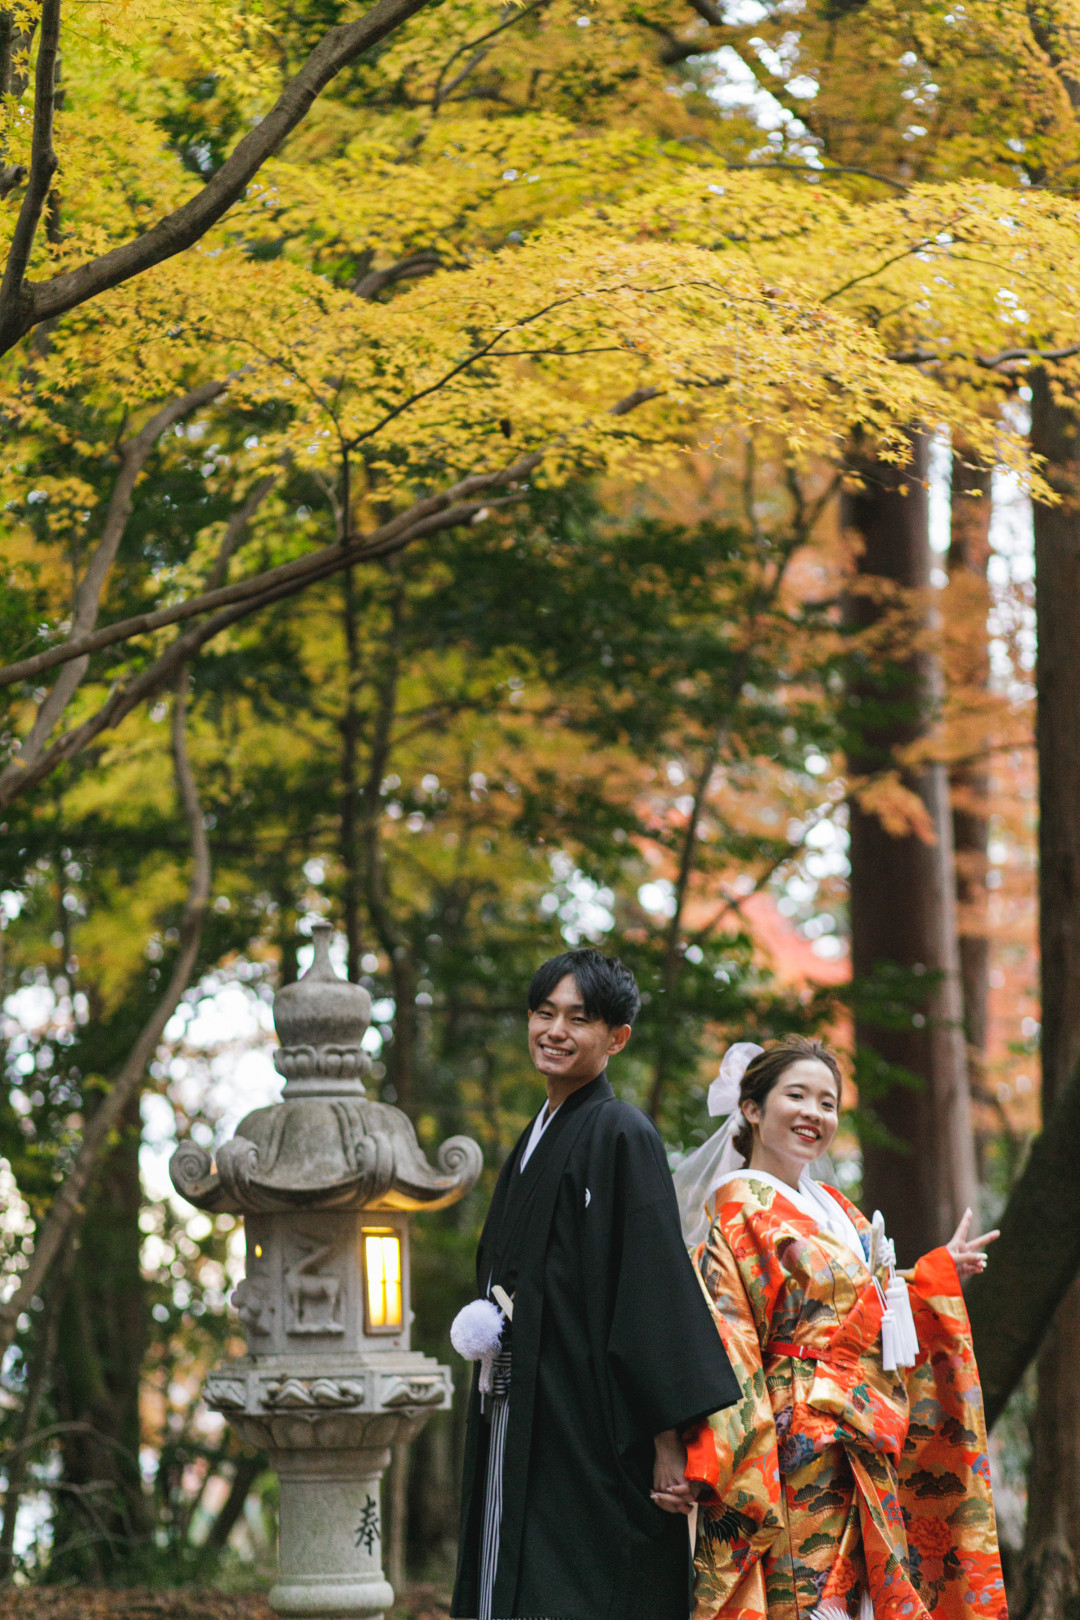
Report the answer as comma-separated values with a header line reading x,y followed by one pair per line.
x,y
40,1352
350,741
402,1053
903,912
674,944
248,1468
101,1524
65,1210
1051,1577
1013,1303
968,607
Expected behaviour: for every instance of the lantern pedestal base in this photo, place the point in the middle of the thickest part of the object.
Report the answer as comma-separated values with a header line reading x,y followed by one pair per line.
x,y
330,1538
330,1599
327,1423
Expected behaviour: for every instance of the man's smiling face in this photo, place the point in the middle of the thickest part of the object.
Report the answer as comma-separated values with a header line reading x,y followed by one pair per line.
x,y
567,1046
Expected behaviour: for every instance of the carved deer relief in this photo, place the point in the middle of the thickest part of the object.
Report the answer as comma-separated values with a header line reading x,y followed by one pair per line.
x,y
313,1297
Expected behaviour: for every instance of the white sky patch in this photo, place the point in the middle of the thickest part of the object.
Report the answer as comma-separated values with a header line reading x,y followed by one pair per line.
x,y
221,1065
658,897
585,908
940,493
741,89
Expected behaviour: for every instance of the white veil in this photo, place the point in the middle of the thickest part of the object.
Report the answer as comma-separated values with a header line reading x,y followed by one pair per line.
x,y
697,1176
700,1171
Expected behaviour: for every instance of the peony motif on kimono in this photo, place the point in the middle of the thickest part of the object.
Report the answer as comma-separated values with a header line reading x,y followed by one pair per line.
x,y
836,1484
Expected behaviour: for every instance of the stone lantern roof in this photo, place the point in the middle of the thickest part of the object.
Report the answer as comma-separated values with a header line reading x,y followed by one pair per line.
x,y
325,1145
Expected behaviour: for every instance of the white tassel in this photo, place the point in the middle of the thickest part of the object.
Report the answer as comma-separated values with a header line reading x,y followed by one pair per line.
x,y
476,1333
890,1345
476,1329
899,1307
899,1340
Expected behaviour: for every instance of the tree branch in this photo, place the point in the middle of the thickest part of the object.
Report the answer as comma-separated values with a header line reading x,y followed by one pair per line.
x,y
24,304
247,1470
640,396
234,529
124,699
460,504
304,570
66,1206
988,362
133,457
372,282
515,16
825,171
42,163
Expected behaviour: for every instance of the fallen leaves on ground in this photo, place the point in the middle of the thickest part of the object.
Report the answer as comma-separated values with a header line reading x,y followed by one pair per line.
x,y
419,1602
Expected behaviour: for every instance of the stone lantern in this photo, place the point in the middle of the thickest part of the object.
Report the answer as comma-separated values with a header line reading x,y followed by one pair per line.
x,y
326,1180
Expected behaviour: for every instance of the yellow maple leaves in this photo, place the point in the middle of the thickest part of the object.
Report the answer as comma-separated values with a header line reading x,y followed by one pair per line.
x,y
434,287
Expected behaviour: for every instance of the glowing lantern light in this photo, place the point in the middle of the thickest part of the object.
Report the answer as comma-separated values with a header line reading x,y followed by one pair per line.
x,y
382,1276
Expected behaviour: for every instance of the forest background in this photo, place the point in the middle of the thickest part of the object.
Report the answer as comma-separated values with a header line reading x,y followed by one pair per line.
x,y
502,477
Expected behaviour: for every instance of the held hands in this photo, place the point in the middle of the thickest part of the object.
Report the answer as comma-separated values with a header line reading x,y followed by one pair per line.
x,y
967,1252
671,1490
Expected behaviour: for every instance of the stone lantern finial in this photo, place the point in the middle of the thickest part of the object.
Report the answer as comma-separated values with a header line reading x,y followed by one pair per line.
x,y
321,1021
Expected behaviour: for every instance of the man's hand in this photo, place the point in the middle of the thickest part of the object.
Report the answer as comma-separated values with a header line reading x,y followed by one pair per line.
x,y
671,1490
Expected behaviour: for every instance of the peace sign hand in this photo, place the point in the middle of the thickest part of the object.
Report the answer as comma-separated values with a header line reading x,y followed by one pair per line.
x,y
967,1252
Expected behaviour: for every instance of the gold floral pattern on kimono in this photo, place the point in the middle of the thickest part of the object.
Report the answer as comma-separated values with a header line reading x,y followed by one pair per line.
x,y
833,1476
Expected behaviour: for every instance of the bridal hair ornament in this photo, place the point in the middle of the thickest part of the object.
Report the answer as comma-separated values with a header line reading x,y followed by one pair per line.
x,y
698,1174
724,1091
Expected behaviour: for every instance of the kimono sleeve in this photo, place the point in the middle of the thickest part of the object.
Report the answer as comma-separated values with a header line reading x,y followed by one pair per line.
x,y
662,1347
945,1469
734,1453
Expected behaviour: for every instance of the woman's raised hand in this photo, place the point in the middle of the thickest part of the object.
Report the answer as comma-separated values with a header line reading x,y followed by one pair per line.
x,y
968,1252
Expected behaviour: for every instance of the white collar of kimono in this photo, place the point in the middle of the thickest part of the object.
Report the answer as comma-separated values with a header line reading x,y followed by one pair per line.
x,y
812,1200
540,1125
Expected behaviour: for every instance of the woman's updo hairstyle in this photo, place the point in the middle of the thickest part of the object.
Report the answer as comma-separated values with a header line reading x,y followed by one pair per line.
x,y
764,1071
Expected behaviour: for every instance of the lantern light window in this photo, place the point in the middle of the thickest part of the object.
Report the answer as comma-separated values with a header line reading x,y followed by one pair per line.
x,y
382,1280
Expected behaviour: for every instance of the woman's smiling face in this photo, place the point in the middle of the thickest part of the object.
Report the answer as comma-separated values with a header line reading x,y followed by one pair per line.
x,y
797,1121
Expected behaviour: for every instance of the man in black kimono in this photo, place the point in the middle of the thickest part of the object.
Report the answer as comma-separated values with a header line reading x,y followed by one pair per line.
x,y
573,1493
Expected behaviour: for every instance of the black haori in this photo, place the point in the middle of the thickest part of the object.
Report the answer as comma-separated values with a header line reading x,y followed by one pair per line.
x,y
611,1343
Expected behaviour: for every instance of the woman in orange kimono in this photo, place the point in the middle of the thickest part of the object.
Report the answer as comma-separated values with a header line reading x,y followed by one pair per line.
x,y
853,1479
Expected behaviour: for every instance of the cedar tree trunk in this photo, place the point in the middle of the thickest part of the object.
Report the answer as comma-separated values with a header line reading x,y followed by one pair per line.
x,y
903,909
968,607
1051,1576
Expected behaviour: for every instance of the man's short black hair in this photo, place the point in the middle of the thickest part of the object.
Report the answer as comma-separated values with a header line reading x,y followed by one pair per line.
x,y
608,988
